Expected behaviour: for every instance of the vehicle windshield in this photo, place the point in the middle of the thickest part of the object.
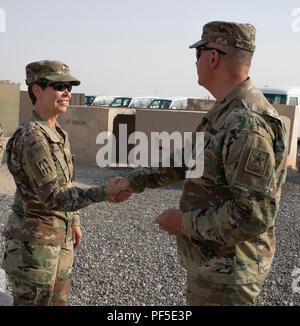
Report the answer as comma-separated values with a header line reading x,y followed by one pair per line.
x,y
160,104
121,101
88,100
103,101
140,103
276,98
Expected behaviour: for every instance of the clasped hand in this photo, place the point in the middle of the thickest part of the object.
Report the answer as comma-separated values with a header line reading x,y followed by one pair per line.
x,y
118,190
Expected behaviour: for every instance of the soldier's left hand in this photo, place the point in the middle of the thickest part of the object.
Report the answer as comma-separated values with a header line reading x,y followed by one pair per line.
x,y
76,236
170,221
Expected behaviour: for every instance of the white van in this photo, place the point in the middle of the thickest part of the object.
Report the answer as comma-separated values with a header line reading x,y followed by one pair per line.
x,y
287,96
179,103
121,102
103,100
160,103
141,102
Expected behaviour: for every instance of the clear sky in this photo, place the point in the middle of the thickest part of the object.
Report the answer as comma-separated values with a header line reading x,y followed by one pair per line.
x,y
141,48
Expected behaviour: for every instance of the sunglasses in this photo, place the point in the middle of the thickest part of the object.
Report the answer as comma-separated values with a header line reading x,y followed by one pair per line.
x,y
60,86
202,48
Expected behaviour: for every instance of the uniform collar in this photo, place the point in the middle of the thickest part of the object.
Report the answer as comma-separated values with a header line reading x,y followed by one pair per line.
x,y
237,92
44,125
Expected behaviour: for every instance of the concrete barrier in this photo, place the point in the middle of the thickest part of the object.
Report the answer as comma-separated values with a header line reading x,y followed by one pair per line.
x,y
290,117
9,107
148,121
83,125
77,99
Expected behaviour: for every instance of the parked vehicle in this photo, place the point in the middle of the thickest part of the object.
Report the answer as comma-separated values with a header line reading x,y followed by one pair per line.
x,y
141,102
160,103
287,96
121,102
103,100
89,99
179,103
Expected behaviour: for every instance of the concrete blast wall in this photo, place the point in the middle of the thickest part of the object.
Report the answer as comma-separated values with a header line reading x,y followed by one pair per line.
x,y
9,107
85,123
77,99
290,117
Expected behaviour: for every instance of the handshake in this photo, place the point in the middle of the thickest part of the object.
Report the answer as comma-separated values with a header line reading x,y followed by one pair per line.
x,y
118,190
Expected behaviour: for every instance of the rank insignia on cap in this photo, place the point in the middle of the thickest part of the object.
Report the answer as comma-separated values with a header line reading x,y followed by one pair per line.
x,y
257,162
44,166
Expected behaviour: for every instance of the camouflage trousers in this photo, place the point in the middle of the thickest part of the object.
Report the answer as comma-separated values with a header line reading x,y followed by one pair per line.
x,y
203,293
40,274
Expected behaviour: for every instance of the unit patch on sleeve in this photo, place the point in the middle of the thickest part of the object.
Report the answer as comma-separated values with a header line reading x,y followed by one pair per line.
x,y
44,166
257,162
40,164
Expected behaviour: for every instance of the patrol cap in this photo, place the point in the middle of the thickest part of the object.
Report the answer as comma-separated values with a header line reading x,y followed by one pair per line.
x,y
237,35
55,71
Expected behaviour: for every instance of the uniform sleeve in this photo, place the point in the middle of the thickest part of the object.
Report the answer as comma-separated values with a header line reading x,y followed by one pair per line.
x,y
250,170
156,177
40,168
75,220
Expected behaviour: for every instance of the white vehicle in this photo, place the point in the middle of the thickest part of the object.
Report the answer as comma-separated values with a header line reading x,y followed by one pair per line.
x,y
176,103
287,96
89,99
121,102
179,103
160,103
141,102
103,100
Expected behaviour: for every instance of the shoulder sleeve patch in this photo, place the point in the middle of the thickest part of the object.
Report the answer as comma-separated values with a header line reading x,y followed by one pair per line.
x,y
40,164
44,166
257,162
251,162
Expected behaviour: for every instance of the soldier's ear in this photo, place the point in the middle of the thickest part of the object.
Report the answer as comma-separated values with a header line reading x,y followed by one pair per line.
x,y
214,59
36,90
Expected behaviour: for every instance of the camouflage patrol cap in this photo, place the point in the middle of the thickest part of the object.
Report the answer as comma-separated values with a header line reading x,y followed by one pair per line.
x,y
237,35
55,71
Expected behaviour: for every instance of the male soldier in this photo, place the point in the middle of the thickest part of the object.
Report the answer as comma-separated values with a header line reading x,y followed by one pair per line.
x,y
1,144
42,231
225,224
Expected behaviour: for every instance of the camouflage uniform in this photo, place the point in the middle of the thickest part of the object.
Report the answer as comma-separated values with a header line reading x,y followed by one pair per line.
x,y
1,144
39,250
228,240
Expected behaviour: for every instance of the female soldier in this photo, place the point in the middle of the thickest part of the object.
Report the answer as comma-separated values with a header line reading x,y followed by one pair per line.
x,y
43,229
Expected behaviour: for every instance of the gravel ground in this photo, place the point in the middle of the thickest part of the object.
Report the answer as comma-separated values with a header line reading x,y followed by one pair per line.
x,y
124,260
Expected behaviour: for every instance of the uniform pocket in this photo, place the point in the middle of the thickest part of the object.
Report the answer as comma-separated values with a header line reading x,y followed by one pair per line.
x,y
39,262
12,256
